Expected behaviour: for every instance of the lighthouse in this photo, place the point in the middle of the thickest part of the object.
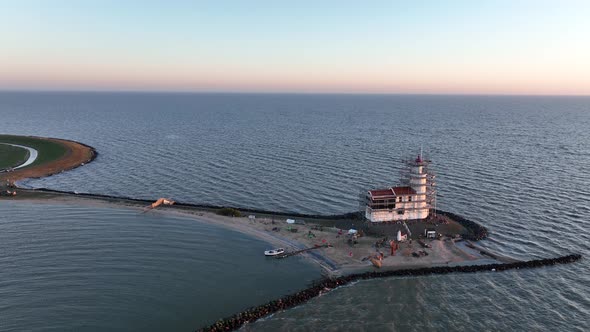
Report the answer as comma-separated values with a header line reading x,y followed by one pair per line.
x,y
411,202
418,183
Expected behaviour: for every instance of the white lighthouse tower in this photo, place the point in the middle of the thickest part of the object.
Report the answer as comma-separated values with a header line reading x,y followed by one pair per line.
x,y
419,182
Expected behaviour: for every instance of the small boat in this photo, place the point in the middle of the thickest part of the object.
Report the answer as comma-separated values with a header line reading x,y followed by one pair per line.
x,y
274,252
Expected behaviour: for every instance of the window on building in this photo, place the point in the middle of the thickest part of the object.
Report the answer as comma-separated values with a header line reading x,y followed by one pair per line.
x,y
409,198
400,211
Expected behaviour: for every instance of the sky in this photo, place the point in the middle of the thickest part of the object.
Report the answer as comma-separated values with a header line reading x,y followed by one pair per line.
x,y
431,47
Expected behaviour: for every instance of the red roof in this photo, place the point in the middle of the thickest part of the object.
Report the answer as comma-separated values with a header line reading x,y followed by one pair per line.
x,y
403,191
391,192
381,192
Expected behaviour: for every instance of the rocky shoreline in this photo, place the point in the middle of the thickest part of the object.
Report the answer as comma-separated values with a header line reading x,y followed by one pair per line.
x,y
477,231
251,315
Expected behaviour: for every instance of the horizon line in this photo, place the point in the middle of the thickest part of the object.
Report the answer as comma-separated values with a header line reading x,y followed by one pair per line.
x,y
163,91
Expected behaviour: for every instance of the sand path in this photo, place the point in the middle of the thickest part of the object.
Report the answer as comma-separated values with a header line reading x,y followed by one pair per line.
x,y
33,154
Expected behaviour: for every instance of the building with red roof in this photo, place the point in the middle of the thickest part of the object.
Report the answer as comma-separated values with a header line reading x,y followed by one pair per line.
x,y
410,202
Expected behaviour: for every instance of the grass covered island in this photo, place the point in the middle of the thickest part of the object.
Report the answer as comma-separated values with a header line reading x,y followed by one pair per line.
x,y
12,156
24,157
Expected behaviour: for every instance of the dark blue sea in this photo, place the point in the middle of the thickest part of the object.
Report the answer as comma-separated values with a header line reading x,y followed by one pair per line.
x,y
518,165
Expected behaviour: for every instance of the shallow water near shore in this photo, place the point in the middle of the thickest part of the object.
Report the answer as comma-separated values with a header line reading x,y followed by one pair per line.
x,y
108,269
518,165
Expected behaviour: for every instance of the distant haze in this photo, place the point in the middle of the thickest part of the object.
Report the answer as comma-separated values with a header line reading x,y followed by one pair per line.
x,y
438,47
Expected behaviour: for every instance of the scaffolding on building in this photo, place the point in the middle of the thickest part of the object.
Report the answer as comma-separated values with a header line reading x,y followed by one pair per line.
x,y
425,162
404,180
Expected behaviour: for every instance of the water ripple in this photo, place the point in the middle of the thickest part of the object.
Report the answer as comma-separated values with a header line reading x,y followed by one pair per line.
x,y
518,165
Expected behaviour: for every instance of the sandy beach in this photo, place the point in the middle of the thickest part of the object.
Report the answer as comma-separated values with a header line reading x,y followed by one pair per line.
x,y
340,258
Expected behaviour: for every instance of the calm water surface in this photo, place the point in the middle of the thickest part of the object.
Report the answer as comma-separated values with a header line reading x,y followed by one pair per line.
x,y
96,269
518,165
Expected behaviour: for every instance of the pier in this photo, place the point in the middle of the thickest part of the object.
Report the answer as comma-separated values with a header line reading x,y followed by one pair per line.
x,y
297,252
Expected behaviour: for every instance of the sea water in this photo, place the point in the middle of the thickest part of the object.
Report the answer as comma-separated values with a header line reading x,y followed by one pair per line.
x,y
518,165
84,268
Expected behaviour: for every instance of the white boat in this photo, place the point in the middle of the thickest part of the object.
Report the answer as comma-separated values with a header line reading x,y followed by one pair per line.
x,y
274,252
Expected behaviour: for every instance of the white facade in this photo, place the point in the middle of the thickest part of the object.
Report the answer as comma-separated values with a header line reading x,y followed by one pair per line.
x,y
401,203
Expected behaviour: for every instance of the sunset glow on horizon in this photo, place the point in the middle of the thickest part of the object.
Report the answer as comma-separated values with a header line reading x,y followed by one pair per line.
x,y
461,47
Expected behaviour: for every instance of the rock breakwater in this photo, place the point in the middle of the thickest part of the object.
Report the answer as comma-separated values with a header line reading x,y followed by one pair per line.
x,y
289,301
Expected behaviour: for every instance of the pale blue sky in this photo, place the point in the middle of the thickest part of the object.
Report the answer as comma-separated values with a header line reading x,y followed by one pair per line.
x,y
300,46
